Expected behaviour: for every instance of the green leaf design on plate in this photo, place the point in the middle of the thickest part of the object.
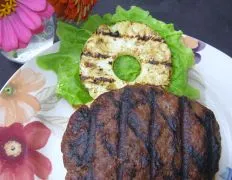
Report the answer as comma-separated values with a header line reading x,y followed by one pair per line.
x,y
47,98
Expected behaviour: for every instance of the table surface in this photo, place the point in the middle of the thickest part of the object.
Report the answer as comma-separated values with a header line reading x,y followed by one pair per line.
x,y
208,20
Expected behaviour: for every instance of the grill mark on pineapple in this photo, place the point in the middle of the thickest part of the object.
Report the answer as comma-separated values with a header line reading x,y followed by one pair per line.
x,y
112,34
95,55
154,62
97,80
89,65
99,55
147,38
141,38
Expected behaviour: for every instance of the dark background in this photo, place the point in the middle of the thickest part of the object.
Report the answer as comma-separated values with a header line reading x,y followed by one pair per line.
x,y
208,20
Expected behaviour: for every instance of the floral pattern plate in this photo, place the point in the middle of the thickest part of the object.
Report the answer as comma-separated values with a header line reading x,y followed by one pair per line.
x,y
33,119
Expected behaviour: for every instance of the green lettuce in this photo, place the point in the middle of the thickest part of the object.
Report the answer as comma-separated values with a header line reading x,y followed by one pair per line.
x,y
126,68
66,62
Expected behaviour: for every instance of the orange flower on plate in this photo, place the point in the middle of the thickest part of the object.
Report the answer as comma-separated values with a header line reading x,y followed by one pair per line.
x,y
190,42
17,103
76,10
195,45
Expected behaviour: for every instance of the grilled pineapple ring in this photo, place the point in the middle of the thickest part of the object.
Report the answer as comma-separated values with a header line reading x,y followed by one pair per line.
x,y
124,38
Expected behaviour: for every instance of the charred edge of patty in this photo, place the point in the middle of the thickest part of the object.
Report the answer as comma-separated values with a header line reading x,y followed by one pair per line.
x,y
208,163
116,34
208,121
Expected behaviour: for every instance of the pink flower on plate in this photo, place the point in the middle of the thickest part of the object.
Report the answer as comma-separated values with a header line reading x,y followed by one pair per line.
x,y
20,19
19,159
16,102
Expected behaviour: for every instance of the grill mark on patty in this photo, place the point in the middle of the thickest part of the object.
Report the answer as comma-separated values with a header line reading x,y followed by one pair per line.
x,y
122,125
116,34
206,123
174,126
170,120
82,141
97,80
184,160
153,134
78,143
212,144
178,140
112,150
89,155
202,162
134,124
197,157
95,55
154,62
110,95
90,174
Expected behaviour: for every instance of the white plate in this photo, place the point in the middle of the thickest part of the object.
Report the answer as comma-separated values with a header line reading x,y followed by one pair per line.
x,y
211,75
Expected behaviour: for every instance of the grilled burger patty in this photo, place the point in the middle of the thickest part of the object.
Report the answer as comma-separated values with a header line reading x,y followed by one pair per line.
x,y
124,38
141,132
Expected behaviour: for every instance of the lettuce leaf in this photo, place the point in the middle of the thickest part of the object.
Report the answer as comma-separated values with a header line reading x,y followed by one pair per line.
x,y
95,21
126,67
65,63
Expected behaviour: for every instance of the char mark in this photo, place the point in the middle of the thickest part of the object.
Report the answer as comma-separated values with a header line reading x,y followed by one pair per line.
x,y
95,55
135,123
154,62
78,146
147,38
112,34
111,148
171,121
89,155
89,65
81,149
90,174
198,159
125,108
174,128
212,146
153,134
116,34
185,157
203,163
97,80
